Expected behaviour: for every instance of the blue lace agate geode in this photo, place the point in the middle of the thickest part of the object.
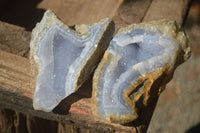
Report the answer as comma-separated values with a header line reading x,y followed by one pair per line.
x,y
139,61
62,58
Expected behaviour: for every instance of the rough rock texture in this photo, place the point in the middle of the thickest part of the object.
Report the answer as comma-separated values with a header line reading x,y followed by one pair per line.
x,y
62,59
139,62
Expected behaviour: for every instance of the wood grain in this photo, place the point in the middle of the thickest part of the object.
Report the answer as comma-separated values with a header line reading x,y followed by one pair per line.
x,y
131,11
14,72
74,12
167,9
14,39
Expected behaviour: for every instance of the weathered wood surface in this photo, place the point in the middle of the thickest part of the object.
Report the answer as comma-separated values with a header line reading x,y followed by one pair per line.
x,y
14,73
14,39
168,9
15,70
17,122
131,11
12,121
74,12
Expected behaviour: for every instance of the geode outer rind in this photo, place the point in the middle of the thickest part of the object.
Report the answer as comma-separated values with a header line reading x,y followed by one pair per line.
x,y
121,99
94,37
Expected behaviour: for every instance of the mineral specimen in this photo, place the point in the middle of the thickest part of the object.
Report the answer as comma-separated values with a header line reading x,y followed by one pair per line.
x,y
62,58
138,63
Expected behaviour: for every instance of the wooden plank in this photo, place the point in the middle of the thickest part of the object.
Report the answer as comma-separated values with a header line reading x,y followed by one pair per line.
x,y
14,101
14,39
131,11
14,73
39,125
16,122
167,9
74,12
15,77
8,124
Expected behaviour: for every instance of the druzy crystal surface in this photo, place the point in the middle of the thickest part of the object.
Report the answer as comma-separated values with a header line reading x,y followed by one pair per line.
x,y
62,58
139,61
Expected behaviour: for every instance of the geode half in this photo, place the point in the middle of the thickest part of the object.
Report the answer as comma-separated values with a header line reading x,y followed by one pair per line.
x,y
63,58
139,61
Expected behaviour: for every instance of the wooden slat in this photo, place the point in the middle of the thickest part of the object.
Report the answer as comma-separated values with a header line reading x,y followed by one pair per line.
x,y
131,11
14,72
74,12
14,39
16,122
167,9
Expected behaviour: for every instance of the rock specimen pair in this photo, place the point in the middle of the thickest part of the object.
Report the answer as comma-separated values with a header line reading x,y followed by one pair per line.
x,y
138,63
